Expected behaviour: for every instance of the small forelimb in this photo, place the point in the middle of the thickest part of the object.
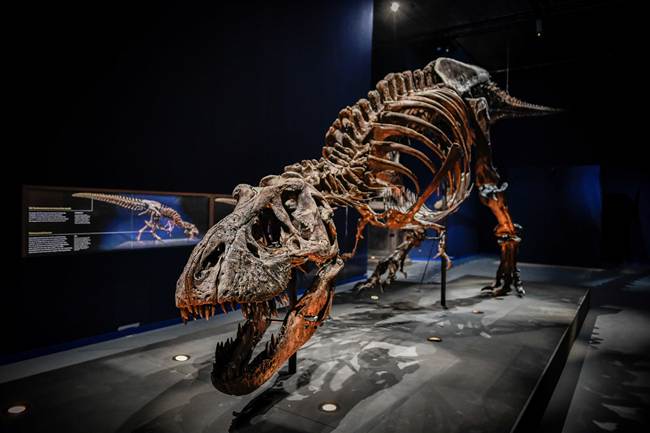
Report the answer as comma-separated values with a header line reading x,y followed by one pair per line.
x,y
393,263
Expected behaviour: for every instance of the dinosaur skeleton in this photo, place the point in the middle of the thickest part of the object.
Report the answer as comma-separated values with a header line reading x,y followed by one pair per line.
x,y
154,209
435,117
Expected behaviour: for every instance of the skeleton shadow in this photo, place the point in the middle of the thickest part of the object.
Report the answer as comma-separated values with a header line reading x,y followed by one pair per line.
x,y
377,370
349,373
617,398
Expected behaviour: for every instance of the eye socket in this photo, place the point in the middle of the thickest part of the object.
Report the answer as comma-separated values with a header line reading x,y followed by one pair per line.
x,y
290,200
267,229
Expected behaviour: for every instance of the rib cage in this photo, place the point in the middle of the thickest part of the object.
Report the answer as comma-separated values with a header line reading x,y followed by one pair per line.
x,y
360,158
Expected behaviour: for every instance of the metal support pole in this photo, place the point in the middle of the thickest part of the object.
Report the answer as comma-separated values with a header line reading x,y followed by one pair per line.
x,y
442,253
293,299
443,281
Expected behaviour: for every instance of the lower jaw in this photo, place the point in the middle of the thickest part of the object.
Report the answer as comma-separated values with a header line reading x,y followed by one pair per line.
x,y
260,371
316,302
297,332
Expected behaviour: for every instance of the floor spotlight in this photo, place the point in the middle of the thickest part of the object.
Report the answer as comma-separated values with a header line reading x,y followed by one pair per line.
x,y
17,409
374,297
181,358
538,27
434,339
394,7
329,406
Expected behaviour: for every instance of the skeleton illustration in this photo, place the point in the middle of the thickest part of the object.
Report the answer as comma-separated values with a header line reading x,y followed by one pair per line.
x,y
155,210
435,117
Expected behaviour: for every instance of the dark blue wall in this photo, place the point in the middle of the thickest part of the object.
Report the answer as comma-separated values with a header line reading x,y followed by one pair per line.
x,y
626,214
463,228
172,98
560,210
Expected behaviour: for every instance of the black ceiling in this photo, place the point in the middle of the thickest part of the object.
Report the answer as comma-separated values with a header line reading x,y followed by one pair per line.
x,y
581,62
501,33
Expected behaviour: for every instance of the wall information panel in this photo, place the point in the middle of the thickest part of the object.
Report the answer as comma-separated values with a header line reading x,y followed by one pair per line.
x,y
70,221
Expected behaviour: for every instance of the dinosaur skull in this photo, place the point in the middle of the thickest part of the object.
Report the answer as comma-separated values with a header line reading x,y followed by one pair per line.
x,y
247,259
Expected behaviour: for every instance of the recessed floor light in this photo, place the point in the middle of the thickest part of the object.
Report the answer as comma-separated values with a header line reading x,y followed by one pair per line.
x,y
374,297
181,358
329,406
17,409
477,312
434,338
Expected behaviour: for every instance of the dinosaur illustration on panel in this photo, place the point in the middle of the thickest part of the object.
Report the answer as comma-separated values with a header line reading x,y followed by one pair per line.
x,y
155,210
438,117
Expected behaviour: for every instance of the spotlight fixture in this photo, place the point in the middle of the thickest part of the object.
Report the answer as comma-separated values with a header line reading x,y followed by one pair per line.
x,y
394,7
328,406
17,409
374,297
538,27
181,358
477,312
434,339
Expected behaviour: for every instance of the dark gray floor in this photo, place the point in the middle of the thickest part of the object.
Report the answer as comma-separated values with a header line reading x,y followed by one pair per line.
x,y
605,386
371,358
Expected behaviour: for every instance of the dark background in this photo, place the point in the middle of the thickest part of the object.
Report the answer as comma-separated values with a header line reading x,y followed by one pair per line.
x,y
182,98
579,183
164,98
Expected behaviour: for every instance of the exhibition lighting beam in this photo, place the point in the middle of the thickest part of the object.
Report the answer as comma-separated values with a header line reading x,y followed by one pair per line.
x,y
394,7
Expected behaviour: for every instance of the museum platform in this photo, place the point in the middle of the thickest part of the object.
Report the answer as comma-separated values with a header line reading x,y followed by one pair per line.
x,y
493,370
